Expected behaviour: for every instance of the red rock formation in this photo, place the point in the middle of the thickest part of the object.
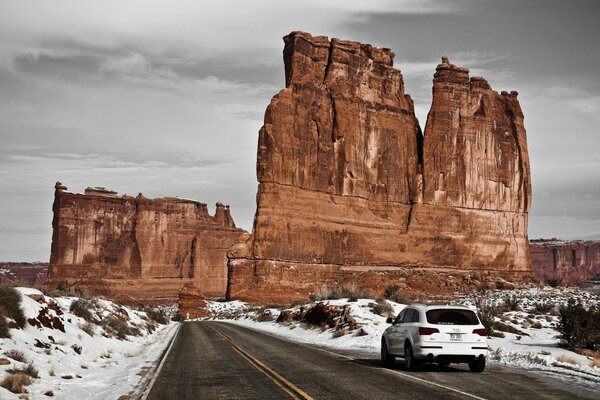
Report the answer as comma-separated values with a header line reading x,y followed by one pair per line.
x,y
348,191
191,303
23,274
139,247
570,262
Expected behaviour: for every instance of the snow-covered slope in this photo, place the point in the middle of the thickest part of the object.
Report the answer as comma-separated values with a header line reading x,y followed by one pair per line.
x,y
72,363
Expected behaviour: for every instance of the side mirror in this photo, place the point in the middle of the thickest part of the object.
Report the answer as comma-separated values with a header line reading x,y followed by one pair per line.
x,y
389,320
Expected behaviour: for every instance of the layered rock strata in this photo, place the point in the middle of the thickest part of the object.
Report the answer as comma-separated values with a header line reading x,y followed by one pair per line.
x,y
139,247
351,191
570,262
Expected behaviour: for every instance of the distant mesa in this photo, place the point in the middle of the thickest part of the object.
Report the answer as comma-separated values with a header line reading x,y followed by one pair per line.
x,y
138,247
351,191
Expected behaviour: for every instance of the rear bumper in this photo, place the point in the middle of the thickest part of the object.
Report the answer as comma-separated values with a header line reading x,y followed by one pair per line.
x,y
450,352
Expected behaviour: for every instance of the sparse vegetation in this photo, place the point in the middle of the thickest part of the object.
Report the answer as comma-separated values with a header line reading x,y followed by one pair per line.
x,y
29,370
158,315
82,308
382,308
348,291
16,355
502,327
512,302
10,307
16,382
88,328
487,312
580,327
119,328
392,293
542,307
76,348
263,315
553,282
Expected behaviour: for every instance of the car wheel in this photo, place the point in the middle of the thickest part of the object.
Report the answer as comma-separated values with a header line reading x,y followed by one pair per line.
x,y
386,358
477,365
409,360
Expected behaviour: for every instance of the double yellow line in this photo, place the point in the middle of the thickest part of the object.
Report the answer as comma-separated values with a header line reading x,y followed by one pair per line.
x,y
285,385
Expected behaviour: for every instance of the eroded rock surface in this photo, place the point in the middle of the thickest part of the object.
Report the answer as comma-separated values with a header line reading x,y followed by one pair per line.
x,y
139,247
570,262
350,190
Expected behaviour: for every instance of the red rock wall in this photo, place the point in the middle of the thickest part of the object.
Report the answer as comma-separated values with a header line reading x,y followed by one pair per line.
x,y
570,262
139,247
348,186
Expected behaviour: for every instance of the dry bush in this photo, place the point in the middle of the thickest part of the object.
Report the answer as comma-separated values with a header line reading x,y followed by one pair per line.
x,y
567,359
16,355
501,326
512,302
159,315
339,333
16,382
348,291
82,308
119,328
382,308
542,307
580,326
88,328
10,305
537,325
29,370
4,331
263,315
51,372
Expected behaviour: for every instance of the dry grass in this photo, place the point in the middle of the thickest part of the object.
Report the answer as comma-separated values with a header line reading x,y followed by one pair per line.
x,y
595,363
29,370
52,372
15,382
567,359
16,355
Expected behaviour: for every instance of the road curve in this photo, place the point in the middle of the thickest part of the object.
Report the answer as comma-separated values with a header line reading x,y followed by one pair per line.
x,y
212,360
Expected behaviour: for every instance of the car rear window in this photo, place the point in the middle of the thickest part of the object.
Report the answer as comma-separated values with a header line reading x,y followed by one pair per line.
x,y
445,316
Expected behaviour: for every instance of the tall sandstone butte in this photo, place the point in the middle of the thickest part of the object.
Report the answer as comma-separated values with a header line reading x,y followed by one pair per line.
x,y
138,247
351,191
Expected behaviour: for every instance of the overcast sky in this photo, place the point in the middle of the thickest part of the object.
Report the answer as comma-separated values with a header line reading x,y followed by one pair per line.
x,y
167,97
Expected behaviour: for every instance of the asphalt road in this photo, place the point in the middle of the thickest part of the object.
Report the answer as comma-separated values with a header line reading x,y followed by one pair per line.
x,y
212,360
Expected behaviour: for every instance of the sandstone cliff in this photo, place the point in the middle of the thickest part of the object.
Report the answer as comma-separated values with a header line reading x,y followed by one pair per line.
x,y
350,190
570,262
139,247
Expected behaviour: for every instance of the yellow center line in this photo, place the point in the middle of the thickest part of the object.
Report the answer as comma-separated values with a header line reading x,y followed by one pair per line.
x,y
291,389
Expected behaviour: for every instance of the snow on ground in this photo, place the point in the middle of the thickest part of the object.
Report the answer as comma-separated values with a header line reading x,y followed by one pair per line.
x,y
535,348
107,367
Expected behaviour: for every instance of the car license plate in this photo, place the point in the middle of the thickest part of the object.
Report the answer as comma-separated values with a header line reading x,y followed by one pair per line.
x,y
456,337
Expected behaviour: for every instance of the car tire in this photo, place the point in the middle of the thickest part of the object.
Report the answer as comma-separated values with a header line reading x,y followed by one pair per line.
x,y
410,362
477,365
386,358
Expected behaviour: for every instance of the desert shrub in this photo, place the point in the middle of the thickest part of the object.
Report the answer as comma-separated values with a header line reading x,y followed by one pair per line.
x,y
542,307
119,328
537,325
512,302
10,305
579,327
16,382
62,287
349,291
4,331
553,282
361,332
502,327
595,363
88,328
263,315
392,293
567,359
159,315
29,370
338,333
16,355
487,314
382,308
82,308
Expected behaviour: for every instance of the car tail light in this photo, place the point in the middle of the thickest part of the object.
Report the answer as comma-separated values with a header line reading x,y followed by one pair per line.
x,y
427,331
480,332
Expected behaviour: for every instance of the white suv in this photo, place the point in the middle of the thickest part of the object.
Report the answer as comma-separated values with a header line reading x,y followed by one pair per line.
x,y
444,334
